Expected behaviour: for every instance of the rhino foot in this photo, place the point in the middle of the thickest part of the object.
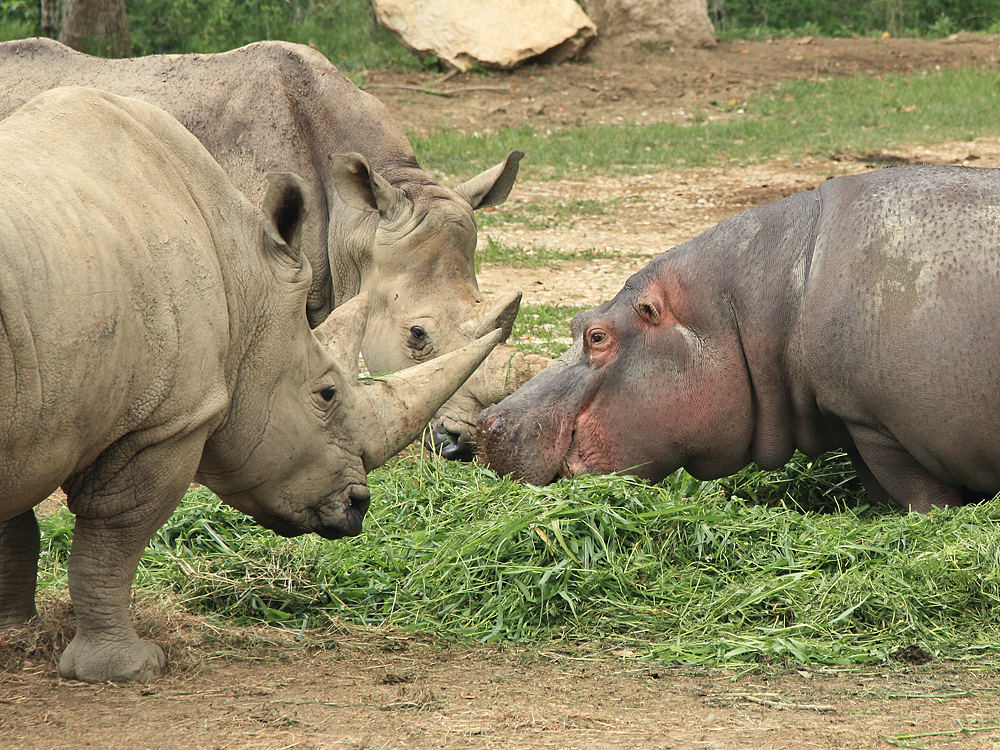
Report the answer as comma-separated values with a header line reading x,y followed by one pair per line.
x,y
11,620
132,661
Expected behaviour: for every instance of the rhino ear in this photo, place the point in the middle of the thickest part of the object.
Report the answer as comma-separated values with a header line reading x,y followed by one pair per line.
x,y
343,330
284,210
492,187
361,187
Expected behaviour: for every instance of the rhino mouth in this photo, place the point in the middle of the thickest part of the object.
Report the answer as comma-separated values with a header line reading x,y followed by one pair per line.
x,y
454,444
338,517
345,516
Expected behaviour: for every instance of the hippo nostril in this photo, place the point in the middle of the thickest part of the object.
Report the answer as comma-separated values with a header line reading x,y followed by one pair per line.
x,y
360,498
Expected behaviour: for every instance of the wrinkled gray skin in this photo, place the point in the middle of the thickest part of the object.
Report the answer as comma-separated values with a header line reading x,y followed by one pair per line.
x,y
861,315
154,333
381,224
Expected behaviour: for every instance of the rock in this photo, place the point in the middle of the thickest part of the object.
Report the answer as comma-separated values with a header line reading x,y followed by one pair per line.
x,y
664,23
499,34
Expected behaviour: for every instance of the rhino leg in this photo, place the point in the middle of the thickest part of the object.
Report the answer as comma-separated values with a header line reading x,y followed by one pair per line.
x,y
887,469
19,548
110,534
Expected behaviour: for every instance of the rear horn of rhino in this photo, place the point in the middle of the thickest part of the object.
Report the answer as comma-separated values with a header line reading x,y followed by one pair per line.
x,y
343,330
482,319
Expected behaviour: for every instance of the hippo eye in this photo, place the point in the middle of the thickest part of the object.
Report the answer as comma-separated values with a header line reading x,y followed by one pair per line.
x,y
328,394
598,337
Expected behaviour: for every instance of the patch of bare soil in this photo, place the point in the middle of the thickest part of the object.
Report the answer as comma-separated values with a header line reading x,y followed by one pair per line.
x,y
241,688
634,85
648,214
236,688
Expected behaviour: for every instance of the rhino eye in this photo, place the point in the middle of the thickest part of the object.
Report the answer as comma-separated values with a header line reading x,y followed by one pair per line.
x,y
328,394
419,340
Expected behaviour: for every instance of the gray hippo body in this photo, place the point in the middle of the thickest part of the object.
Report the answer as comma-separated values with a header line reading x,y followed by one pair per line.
x,y
380,224
153,331
862,315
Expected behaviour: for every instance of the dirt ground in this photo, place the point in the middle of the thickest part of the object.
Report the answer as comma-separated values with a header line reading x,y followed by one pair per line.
x,y
237,688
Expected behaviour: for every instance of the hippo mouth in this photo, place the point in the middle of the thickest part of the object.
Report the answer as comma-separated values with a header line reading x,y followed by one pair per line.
x,y
566,469
337,518
572,463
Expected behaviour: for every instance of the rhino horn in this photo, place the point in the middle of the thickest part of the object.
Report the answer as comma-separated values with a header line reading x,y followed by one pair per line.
x,y
343,330
501,315
402,403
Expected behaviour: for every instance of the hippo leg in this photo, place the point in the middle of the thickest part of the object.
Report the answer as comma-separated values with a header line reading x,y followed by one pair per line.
x,y
877,494
19,548
888,470
111,531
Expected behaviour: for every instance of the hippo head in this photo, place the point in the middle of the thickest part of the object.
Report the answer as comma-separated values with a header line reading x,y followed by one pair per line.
x,y
655,380
302,431
421,278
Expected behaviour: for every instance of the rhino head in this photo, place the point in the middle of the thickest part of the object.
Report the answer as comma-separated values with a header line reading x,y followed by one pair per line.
x,y
421,279
302,431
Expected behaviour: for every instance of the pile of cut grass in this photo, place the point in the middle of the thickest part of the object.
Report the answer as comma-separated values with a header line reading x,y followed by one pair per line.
x,y
682,571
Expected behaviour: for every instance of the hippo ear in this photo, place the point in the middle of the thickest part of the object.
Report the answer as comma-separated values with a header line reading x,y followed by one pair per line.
x,y
343,330
492,187
361,187
284,210
648,309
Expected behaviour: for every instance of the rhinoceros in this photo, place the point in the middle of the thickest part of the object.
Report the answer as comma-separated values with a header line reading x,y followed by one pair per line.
x,y
380,224
862,315
154,333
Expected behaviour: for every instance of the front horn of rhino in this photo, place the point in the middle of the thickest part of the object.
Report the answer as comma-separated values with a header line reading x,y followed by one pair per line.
x,y
400,405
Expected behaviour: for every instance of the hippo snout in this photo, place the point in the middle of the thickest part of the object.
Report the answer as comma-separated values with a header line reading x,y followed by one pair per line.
x,y
490,434
500,447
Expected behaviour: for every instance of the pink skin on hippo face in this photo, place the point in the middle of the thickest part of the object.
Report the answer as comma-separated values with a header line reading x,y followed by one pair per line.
x,y
640,392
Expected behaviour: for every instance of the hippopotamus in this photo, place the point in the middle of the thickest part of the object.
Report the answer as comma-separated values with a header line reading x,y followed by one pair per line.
x,y
154,333
861,315
380,224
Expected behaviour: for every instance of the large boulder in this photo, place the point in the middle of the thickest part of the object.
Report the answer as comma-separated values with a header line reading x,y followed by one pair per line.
x,y
500,34
668,23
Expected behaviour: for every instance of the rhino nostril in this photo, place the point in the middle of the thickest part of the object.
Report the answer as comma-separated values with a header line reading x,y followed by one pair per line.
x,y
360,497
436,438
457,449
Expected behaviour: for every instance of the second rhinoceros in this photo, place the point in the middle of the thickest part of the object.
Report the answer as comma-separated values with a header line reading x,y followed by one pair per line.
x,y
861,315
154,332
380,224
